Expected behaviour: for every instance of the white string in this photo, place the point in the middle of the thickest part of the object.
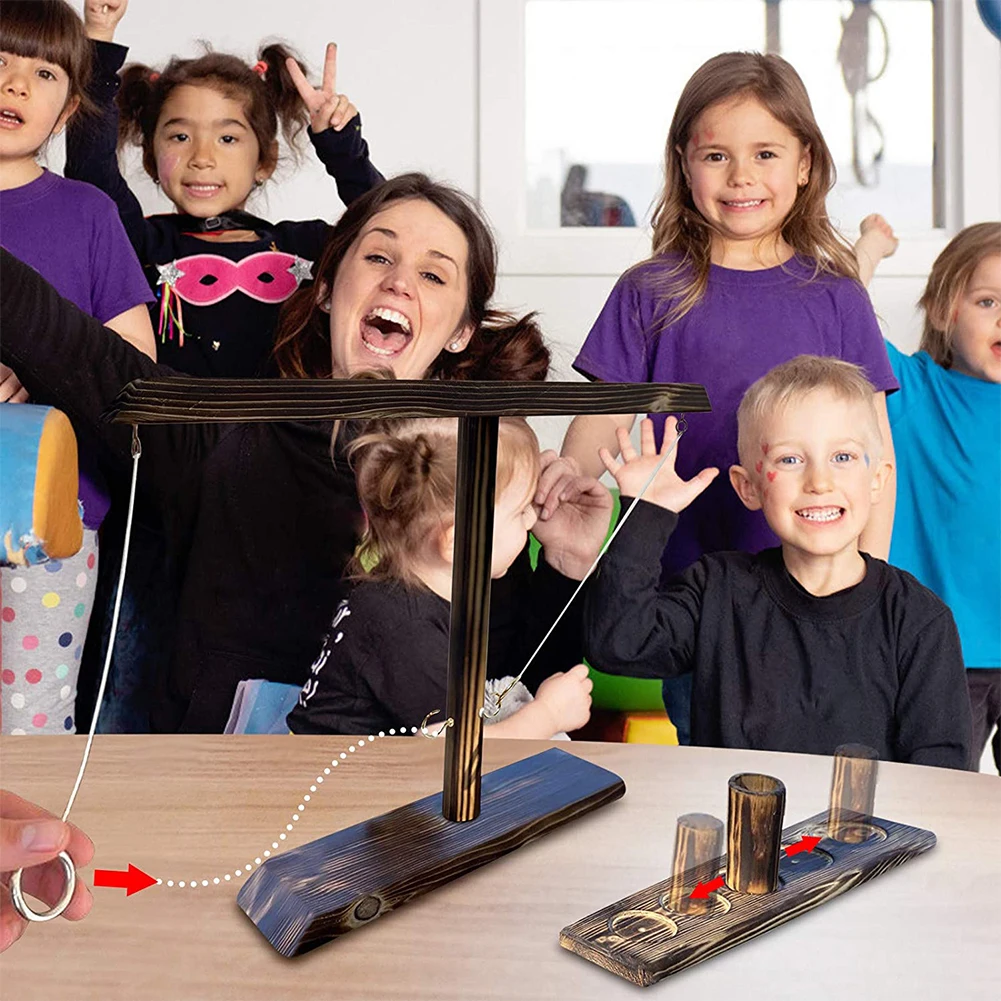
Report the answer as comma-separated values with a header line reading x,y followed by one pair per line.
x,y
604,549
136,452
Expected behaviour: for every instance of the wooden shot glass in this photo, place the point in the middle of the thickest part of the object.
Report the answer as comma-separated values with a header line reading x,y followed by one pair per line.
x,y
853,793
754,832
697,846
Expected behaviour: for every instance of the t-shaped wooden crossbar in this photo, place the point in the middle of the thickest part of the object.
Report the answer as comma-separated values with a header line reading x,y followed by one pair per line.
x,y
477,405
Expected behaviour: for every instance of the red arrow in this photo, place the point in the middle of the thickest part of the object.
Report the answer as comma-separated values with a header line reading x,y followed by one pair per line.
x,y
132,881
702,891
803,845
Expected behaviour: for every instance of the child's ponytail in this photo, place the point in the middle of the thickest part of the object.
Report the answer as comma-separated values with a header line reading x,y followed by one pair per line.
x,y
136,100
281,91
405,475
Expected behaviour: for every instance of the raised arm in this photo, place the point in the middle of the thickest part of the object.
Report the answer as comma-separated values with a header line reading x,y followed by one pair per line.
x,y
66,359
335,130
92,144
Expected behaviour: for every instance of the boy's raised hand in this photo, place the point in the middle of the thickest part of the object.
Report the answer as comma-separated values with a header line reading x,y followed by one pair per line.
x,y
327,109
101,17
668,490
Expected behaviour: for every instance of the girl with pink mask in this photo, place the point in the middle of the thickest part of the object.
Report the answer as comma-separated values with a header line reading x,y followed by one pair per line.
x,y
208,130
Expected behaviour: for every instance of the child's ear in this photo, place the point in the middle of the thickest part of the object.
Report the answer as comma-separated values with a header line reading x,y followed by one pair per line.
x,y
745,487
446,543
880,477
269,161
805,163
684,165
67,113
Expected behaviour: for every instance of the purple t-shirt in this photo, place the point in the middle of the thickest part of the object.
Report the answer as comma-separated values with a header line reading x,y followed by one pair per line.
x,y
746,323
70,233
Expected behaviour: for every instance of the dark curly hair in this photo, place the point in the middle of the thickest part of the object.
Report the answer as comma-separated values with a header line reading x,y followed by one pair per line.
x,y
503,347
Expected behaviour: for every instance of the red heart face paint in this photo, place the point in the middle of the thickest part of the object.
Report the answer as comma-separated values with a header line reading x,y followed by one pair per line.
x,y
764,448
771,474
757,467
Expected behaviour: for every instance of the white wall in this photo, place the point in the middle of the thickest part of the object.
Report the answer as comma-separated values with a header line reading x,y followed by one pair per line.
x,y
412,67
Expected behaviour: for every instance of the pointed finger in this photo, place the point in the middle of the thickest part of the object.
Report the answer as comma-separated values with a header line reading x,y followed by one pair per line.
x,y
330,69
306,90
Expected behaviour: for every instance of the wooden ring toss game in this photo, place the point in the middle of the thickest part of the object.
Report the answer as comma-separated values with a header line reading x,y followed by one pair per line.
x,y
768,875
319,891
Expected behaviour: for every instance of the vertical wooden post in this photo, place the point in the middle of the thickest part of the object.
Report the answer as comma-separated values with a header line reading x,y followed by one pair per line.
x,y
754,832
469,626
697,845
853,793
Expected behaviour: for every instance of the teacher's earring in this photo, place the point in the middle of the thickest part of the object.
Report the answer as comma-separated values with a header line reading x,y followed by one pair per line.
x,y
455,346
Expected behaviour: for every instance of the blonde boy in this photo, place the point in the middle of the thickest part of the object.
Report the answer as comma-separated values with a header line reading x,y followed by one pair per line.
x,y
802,647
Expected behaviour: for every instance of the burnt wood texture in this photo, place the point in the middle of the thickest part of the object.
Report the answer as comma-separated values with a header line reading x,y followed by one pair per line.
x,y
184,400
469,621
642,940
754,832
697,844
314,893
853,792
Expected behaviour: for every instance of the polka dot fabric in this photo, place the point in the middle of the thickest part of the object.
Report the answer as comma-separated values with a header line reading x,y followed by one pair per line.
x,y
44,617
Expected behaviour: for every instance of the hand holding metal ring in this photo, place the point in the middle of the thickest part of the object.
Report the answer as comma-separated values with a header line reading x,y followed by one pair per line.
x,y
24,909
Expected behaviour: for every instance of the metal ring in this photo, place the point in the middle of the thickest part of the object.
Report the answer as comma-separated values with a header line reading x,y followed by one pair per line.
x,y
24,909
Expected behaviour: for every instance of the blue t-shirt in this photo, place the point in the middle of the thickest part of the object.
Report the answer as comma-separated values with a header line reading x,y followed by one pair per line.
x,y
947,528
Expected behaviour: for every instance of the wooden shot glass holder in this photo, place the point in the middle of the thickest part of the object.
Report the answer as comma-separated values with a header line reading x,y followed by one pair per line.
x,y
641,939
313,893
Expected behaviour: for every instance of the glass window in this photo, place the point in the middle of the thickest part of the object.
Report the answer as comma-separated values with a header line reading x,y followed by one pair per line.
x,y
603,77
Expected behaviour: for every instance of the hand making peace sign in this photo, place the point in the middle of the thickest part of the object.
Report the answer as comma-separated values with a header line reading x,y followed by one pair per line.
x,y
327,109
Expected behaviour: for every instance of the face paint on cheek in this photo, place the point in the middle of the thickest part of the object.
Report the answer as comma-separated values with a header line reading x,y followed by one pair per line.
x,y
866,457
165,167
758,465
771,474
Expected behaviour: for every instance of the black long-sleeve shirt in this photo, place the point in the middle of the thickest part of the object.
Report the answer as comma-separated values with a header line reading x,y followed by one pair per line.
x,y
775,667
384,660
231,338
259,521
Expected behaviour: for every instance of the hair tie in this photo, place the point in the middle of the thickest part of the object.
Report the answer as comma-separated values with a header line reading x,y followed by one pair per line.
x,y
153,77
260,68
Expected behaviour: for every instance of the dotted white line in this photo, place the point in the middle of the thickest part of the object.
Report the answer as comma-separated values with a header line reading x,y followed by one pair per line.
x,y
248,867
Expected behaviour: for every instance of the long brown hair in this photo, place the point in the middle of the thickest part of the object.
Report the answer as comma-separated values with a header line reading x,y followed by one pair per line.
x,y
949,278
268,94
405,474
50,30
503,347
678,226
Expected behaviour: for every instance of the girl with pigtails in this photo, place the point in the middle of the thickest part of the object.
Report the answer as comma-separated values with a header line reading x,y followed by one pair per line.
x,y
208,130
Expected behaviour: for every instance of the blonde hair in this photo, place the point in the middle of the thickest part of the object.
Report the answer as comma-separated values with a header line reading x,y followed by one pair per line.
x,y
794,379
678,226
405,474
949,278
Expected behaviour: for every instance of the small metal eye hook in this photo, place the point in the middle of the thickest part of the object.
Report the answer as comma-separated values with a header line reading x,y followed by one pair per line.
x,y
22,906
486,713
136,446
441,732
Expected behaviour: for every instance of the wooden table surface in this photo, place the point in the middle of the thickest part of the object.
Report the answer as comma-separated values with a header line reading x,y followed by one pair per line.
x,y
196,807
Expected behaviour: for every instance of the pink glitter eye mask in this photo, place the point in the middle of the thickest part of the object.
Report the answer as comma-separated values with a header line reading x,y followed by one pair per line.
x,y
206,279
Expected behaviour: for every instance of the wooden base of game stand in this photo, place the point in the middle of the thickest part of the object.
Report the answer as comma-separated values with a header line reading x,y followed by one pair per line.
x,y
311,894
767,877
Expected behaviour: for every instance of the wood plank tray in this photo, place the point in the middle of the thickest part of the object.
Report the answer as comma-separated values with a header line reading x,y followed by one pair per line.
x,y
642,940
327,888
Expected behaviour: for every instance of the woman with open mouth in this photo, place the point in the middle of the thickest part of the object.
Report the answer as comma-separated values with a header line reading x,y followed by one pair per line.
x,y
260,522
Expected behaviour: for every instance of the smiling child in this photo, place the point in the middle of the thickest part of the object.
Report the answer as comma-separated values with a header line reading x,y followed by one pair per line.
x,y
805,646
